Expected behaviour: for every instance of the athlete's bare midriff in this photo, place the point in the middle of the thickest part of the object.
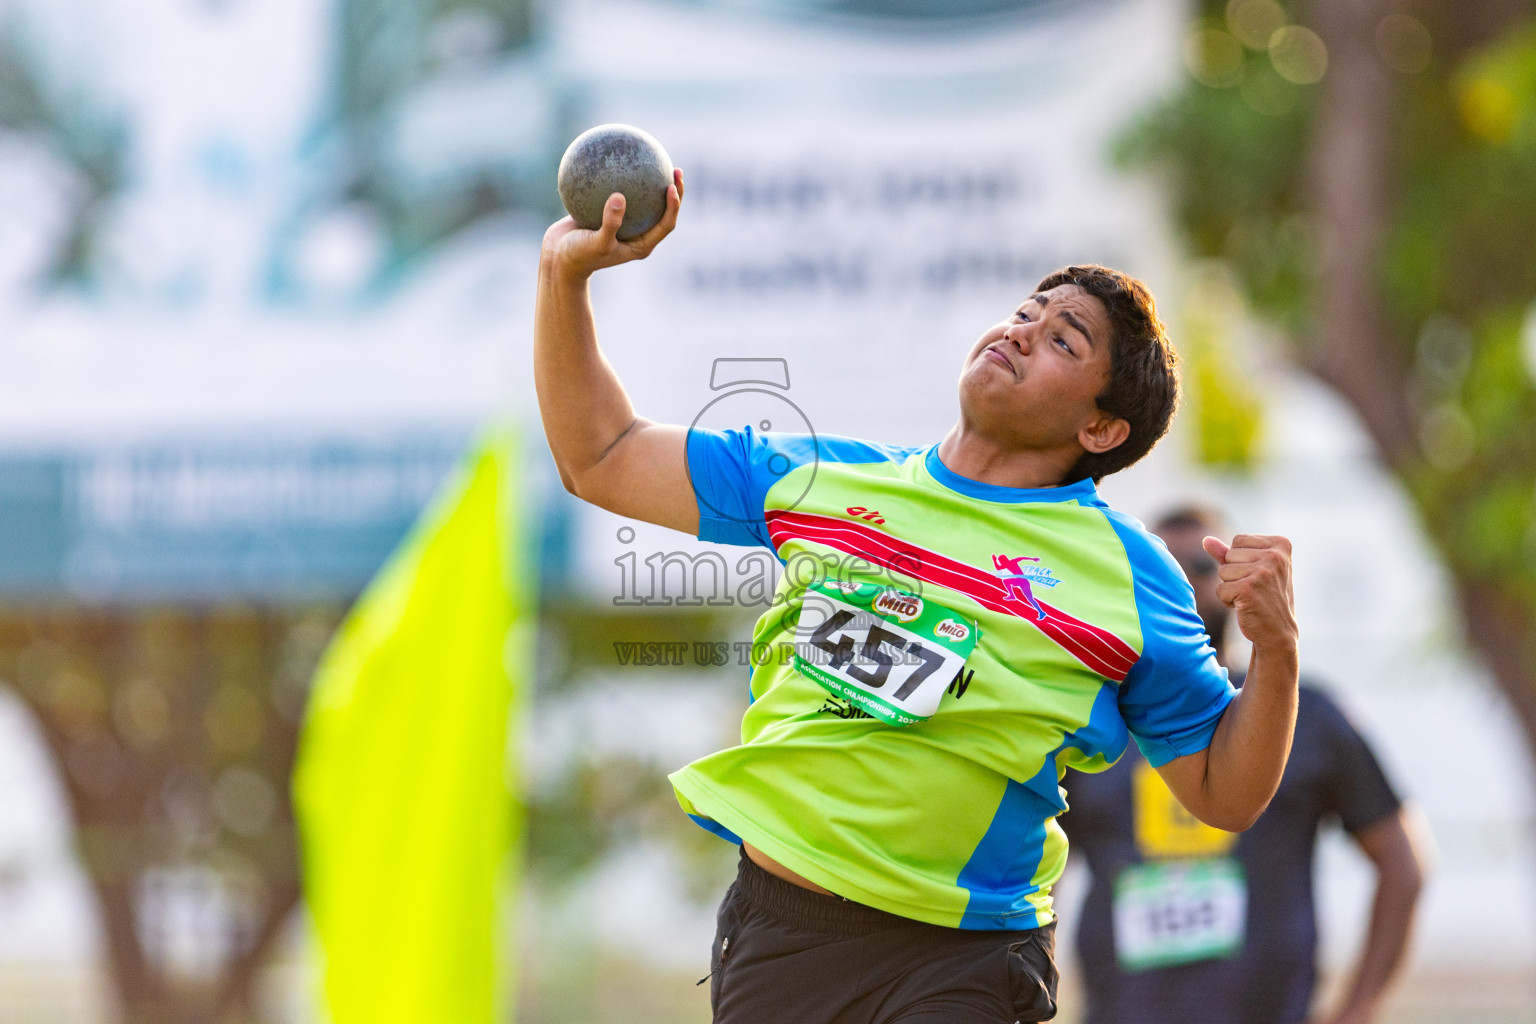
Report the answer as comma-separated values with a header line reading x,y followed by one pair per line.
x,y
778,870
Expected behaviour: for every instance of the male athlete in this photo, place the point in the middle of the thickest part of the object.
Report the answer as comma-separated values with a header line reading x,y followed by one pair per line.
x,y
896,789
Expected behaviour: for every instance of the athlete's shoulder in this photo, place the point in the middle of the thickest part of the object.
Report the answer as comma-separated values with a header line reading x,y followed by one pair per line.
x,y
732,472
837,448
1151,563
772,454
799,448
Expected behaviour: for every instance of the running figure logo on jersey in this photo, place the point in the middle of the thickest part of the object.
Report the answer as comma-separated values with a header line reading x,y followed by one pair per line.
x,y
1018,578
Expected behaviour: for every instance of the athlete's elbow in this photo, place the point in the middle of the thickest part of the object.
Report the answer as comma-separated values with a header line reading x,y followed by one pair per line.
x,y
1225,821
593,487
1236,822
1237,818
1227,814
568,480
582,485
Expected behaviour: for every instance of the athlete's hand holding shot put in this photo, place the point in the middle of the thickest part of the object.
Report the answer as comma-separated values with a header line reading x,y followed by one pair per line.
x,y
605,453
899,813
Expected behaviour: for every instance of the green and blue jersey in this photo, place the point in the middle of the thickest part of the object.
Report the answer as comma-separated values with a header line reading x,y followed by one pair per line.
x,y
1079,632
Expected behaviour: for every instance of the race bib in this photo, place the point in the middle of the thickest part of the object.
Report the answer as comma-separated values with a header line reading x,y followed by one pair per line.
x,y
886,651
1177,912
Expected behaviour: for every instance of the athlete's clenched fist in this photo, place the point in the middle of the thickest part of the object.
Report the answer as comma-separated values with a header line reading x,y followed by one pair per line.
x,y
1255,573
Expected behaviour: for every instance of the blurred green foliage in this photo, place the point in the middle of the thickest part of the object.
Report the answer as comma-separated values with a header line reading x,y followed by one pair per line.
x,y
174,730
1457,272
1237,190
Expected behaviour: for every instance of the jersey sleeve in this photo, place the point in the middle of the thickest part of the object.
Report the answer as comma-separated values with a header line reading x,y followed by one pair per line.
x,y
1356,787
733,470
1174,696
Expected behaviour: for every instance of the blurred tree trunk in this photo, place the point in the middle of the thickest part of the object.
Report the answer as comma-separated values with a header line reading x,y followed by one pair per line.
x,y
1501,630
1351,180
1376,202
174,732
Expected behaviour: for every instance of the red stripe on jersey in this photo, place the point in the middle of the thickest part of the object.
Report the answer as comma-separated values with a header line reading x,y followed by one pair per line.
x,y
1097,648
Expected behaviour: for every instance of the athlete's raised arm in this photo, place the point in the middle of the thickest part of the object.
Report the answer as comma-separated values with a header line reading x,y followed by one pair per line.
x,y
605,453
1228,784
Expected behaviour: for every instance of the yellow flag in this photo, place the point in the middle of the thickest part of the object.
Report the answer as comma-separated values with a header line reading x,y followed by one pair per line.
x,y
401,789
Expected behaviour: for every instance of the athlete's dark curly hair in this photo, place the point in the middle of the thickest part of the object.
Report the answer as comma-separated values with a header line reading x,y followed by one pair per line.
x,y
1143,384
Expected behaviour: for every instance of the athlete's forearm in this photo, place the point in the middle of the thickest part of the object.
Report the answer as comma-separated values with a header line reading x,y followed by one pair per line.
x,y
581,400
1229,783
1247,754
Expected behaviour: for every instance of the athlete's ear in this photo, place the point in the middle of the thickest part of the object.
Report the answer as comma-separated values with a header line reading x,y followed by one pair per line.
x,y
1103,433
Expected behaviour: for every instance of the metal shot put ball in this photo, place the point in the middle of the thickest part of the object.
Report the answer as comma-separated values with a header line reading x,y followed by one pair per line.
x,y
615,158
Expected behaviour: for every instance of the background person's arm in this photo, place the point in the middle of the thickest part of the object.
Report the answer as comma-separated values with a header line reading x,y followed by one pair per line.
x,y
605,453
1400,854
1228,784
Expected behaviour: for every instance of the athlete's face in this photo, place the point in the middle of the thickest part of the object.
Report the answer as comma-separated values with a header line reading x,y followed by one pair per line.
x,y
1032,381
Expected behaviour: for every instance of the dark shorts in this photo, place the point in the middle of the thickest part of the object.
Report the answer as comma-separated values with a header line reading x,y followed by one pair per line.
x,y
783,953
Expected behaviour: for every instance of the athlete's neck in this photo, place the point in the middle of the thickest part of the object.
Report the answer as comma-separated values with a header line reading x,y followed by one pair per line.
x,y
980,458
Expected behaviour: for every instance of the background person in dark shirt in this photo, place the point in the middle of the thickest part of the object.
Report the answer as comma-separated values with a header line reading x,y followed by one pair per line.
x,y
1185,924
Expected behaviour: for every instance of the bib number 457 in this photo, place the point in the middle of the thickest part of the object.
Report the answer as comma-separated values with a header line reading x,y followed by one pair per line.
x,y
841,654
890,653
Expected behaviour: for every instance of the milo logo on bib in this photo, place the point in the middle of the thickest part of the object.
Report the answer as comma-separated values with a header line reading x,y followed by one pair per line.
x,y
952,629
895,604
